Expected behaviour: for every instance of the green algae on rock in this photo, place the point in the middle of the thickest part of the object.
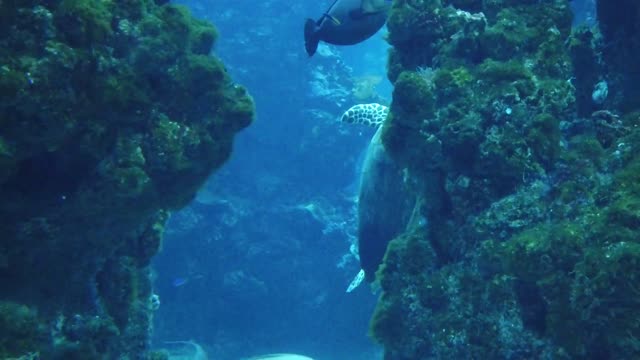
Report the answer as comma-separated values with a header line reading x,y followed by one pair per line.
x,y
532,248
113,113
620,30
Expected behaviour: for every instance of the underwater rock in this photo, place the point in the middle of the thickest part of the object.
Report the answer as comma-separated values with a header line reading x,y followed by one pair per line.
x,y
113,114
600,92
584,47
620,27
539,207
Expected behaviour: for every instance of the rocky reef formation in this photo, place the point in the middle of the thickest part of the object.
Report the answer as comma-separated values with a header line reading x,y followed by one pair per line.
x,y
619,28
529,133
112,113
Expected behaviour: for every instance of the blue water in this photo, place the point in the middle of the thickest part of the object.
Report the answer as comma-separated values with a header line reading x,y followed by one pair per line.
x,y
259,263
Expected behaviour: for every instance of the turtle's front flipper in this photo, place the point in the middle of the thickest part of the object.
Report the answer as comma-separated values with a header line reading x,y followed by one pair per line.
x,y
356,281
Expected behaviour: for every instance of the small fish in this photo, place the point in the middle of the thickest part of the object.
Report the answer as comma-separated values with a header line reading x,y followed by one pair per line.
x,y
179,281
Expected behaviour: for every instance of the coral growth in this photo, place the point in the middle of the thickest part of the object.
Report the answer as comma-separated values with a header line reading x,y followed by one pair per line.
x,y
532,249
112,113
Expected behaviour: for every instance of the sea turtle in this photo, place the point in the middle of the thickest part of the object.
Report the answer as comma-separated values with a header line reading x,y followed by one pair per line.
x,y
385,203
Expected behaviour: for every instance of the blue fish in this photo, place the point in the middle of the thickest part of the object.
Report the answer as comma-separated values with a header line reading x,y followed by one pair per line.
x,y
179,281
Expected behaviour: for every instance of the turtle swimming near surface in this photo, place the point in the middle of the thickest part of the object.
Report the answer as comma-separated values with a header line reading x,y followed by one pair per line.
x,y
346,22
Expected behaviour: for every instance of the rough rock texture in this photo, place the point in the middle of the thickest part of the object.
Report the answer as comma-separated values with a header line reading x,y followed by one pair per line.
x,y
531,246
112,112
621,45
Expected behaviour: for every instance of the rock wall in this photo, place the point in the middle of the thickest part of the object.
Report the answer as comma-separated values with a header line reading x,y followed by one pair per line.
x,y
112,113
531,247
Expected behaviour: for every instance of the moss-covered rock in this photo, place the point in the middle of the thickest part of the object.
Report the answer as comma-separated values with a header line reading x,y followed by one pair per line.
x,y
112,113
618,22
532,251
83,22
21,331
543,137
